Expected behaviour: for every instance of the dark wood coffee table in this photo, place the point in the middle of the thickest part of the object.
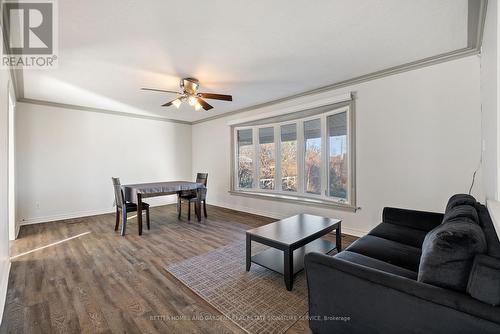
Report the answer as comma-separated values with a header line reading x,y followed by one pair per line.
x,y
291,239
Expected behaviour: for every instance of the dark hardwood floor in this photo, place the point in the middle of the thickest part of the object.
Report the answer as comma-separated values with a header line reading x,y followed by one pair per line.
x,y
100,282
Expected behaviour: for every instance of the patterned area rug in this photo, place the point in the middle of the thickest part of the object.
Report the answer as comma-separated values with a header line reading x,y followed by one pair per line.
x,y
257,301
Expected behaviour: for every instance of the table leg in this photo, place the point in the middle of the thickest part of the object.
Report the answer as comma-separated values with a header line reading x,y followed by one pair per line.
x,y
139,213
288,266
249,252
338,239
198,204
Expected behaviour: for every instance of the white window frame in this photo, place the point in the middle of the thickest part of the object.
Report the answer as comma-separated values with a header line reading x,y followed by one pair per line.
x,y
299,195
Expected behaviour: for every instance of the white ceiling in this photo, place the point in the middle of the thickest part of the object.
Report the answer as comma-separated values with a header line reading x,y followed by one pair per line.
x,y
255,50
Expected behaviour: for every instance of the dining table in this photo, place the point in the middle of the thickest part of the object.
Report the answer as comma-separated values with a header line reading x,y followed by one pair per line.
x,y
136,192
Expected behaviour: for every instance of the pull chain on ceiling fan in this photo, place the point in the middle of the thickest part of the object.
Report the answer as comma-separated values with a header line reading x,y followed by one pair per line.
x,y
189,94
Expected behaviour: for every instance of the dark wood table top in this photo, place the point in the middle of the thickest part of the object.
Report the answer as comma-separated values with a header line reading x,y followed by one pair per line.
x,y
157,189
295,229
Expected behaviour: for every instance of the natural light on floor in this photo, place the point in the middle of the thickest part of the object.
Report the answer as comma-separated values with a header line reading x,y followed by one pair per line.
x,y
50,245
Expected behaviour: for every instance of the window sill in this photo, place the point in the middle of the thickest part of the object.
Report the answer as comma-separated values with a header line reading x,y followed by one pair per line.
x,y
296,200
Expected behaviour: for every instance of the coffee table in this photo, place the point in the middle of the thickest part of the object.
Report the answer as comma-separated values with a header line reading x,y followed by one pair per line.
x,y
291,239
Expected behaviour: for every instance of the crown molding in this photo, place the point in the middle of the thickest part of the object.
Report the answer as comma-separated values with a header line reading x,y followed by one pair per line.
x,y
475,28
102,111
17,83
16,75
476,17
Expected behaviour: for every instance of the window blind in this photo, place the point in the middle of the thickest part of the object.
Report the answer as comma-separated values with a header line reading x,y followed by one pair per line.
x,y
245,137
288,132
312,129
266,135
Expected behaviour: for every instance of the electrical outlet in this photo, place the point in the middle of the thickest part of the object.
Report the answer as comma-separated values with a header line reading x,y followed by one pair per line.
x,y
37,205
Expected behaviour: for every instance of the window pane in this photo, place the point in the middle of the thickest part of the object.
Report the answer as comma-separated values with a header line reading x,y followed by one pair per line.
x,y
266,158
289,157
245,158
337,166
312,141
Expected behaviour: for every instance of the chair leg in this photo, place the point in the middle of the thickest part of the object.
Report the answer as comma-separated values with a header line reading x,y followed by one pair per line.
x,y
189,210
147,219
117,219
179,208
124,219
205,208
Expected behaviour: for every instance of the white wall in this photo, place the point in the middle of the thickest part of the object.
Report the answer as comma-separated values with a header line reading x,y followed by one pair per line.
x,y
66,158
489,100
418,139
4,190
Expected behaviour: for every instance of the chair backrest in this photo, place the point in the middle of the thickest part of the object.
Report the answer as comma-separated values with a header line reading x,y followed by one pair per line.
x,y
202,178
119,198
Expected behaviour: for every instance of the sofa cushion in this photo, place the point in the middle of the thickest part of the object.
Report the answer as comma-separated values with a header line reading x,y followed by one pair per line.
x,y
484,280
402,234
448,252
461,211
376,264
489,231
460,199
389,251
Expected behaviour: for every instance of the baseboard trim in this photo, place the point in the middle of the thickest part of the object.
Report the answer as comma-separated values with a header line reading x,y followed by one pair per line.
x,y
78,214
345,230
4,285
64,216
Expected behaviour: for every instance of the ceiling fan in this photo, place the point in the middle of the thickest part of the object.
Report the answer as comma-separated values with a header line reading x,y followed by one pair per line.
x,y
189,87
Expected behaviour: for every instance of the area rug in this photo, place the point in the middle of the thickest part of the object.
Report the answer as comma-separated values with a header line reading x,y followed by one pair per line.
x,y
257,301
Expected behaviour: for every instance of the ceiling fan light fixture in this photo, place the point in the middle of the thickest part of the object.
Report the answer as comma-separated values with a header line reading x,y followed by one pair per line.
x,y
177,103
190,94
197,106
192,100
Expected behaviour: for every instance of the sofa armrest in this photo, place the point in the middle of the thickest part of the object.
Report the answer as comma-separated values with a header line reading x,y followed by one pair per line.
x,y
421,220
380,302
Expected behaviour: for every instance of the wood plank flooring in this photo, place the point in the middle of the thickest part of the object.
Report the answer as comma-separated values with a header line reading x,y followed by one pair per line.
x,y
100,282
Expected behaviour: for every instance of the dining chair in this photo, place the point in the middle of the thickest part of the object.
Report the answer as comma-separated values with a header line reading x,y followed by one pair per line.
x,y
125,207
189,196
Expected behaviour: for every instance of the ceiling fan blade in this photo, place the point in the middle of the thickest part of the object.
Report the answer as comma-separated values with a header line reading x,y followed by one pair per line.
x,y
204,104
160,90
216,96
168,104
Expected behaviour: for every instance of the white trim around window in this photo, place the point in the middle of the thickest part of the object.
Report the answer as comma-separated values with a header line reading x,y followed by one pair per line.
x,y
336,162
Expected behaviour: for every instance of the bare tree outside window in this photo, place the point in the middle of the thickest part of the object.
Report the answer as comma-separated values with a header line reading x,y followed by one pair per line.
x,y
246,153
312,140
337,164
289,157
267,162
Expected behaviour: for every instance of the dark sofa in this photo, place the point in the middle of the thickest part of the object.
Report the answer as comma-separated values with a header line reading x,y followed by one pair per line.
x,y
416,272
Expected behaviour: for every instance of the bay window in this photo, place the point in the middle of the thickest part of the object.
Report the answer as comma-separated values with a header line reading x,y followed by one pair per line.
x,y
306,156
